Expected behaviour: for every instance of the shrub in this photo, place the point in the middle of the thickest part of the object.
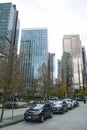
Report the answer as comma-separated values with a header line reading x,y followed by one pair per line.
x,y
9,105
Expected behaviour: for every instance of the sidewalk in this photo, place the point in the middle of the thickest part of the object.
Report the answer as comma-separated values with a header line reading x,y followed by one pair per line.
x,y
18,116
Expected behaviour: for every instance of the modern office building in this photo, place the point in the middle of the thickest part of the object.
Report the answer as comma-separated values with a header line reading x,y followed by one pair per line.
x,y
51,59
84,68
67,70
59,75
9,26
34,47
84,59
9,29
72,45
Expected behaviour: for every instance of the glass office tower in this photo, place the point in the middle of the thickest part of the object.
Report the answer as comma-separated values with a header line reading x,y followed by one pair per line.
x,y
34,47
84,59
59,64
51,58
84,67
72,45
9,26
67,71
9,29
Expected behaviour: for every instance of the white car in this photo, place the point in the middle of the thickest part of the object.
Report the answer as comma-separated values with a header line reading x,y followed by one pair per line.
x,y
70,103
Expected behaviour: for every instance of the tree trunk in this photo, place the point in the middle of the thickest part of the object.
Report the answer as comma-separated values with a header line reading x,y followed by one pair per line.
x,y
2,112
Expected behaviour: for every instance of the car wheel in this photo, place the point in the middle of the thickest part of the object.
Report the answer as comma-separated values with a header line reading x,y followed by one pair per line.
x,y
42,118
71,107
51,114
66,110
62,112
77,105
26,120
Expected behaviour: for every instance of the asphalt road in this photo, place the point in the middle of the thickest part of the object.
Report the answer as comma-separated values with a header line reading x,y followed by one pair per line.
x,y
75,119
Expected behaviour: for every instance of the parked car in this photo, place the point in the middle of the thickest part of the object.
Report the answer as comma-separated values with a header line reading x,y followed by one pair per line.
x,y
60,107
70,103
76,103
80,98
39,112
52,99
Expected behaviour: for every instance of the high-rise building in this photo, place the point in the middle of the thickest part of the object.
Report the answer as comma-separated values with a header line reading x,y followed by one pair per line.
x,y
59,63
72,45
67,71
84,59
9,26
84,68
51,59
9,29
34,47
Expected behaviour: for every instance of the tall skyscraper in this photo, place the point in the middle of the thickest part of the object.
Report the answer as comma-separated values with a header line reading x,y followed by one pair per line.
x,y
9,29
9,26
84,59
59,63
72,45
84,68
34,47
51,59
67,72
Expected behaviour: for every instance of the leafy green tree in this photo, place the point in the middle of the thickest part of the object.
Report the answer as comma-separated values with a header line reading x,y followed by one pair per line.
x,y
33,87
70,92
43,80
82,93
58,90
10,76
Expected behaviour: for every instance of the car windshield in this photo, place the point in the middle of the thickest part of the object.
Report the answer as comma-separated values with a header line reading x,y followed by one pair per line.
x,y
68,100
57,104
36,106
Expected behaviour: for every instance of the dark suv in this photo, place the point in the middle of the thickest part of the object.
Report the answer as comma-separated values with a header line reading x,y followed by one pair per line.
x,y
60,107
39,112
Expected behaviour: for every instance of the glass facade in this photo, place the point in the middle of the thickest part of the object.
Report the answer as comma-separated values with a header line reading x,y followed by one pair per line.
x,y
59,70
9,29
84,60
26,65
67,70
8,25
51,57
34,47
72,45
84,68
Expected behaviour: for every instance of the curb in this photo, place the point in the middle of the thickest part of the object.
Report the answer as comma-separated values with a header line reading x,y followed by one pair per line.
x,y
10,121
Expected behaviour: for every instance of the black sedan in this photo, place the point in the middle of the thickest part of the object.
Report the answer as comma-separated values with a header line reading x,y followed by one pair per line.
x,y
60,107
39,112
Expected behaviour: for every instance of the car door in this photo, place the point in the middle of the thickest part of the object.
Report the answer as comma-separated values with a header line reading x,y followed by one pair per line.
x,y
64,106
47,110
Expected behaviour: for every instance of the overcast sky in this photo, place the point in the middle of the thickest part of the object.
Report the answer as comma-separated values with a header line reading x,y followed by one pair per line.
x,y
59,16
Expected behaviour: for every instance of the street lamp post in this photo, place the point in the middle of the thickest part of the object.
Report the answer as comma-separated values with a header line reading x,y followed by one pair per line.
x,y
12,105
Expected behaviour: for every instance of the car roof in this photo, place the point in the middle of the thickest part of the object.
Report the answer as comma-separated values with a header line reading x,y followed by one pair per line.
x,y
41,103
59,101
